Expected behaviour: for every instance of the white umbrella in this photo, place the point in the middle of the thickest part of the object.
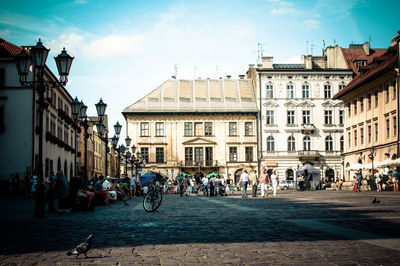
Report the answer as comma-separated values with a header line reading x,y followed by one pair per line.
x,y
384,163
355,166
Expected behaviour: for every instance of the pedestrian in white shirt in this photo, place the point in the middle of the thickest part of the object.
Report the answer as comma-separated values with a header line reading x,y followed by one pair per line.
x,y
274,181
244,179
205,185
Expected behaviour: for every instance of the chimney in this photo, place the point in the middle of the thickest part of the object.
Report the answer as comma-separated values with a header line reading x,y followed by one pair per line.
x,y
241,76
366,48
267,61
228,76
173,77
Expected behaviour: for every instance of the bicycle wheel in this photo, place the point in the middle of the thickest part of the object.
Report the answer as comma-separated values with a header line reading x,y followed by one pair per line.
x,y
152,200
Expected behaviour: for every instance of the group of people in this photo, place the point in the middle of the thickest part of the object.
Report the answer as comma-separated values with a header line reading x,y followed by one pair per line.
x,y
265,179
385,180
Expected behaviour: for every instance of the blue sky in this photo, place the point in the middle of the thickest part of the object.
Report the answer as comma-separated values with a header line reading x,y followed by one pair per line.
x,y
125,49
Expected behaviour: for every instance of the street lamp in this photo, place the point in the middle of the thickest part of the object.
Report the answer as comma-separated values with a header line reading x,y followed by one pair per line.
x,y
37,56
371,156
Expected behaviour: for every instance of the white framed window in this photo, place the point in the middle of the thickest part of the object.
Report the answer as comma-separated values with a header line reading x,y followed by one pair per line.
x,y
269,91
159,129
291,143
328,143
270,117
306,117
290,117
328,117
305,91
270,143
289,91
327,91
307,143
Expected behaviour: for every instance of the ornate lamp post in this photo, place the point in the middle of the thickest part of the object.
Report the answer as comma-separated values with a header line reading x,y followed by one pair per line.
x,y
371,156
37,56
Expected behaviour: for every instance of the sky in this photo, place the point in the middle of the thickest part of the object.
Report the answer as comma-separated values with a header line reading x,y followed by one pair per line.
x,y
124,49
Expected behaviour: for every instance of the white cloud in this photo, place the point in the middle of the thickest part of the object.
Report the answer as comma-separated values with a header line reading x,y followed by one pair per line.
x,y
114,45
284,11
312,24
4,33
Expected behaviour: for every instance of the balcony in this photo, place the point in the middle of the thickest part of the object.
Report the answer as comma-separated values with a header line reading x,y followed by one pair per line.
x,y
202,163
308,155
307,128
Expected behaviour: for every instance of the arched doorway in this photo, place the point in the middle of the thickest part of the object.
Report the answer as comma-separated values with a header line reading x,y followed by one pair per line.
x,y
330,175
347,172
289,174
237,175
59,164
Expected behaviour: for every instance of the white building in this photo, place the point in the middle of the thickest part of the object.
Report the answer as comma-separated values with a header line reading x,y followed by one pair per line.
x,y
19,123
299,122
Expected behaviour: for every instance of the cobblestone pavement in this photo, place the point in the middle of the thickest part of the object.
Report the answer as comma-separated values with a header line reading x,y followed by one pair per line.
x,y
315,227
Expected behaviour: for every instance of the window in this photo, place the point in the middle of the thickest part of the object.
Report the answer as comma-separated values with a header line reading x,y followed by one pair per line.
x,y
59,132
387,128
369,101
198,129
207,129
327,91
233,154
306,117
355,107
270,143
144,129
341,86
387,94
270,117
394,91
376,98
159,155
289,91
355,138
188,129
341,121
290,117
2,78
362,135
188,156
360,63
269,91
291,143
394,126
144,152
369,134
232,129
306,91
198,154
159,129
342,144
248,128
361,104
46,167
376,131
249,154
307,143
209,156
328,117
349,138
328,143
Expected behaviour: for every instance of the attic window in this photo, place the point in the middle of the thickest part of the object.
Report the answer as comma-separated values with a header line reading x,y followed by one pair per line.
x,y
341,77
215,99
184,99
153,100
198,99
305,77
270,77
230,99
360,63
289,77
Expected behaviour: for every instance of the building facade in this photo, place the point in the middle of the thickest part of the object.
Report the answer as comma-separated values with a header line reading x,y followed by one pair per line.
x,y
371,102
299,121
196,126
20,123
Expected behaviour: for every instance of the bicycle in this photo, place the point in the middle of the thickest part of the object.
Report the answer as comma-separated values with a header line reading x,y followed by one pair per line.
x,y
153,198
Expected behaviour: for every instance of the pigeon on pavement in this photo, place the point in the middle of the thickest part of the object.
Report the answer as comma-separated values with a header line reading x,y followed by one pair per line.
x,y
82,248
374,201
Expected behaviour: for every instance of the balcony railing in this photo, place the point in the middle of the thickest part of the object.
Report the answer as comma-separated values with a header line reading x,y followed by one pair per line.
x,y
199,163
307,128
308,154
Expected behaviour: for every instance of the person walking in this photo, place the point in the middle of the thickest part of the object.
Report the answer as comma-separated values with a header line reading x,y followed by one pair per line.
x,y
254,183
205,186
264,180
244,179
274,181
395,179
181,182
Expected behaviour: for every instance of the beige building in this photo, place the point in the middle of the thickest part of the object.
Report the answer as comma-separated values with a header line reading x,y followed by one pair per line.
x,y
196,126
371,103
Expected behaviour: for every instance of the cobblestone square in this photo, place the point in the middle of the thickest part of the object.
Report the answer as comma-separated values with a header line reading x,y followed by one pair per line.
x,y
314,228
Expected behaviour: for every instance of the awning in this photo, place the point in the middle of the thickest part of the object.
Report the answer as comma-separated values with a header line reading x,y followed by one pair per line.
x,y
271,164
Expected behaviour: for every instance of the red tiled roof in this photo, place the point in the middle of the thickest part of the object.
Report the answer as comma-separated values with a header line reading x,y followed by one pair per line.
x,y
9,49
386,62
351,55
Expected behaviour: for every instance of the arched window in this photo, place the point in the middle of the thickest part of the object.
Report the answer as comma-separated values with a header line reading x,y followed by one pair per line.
x,y
269,91
342,144
291,144
307,143
328,143
270,144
